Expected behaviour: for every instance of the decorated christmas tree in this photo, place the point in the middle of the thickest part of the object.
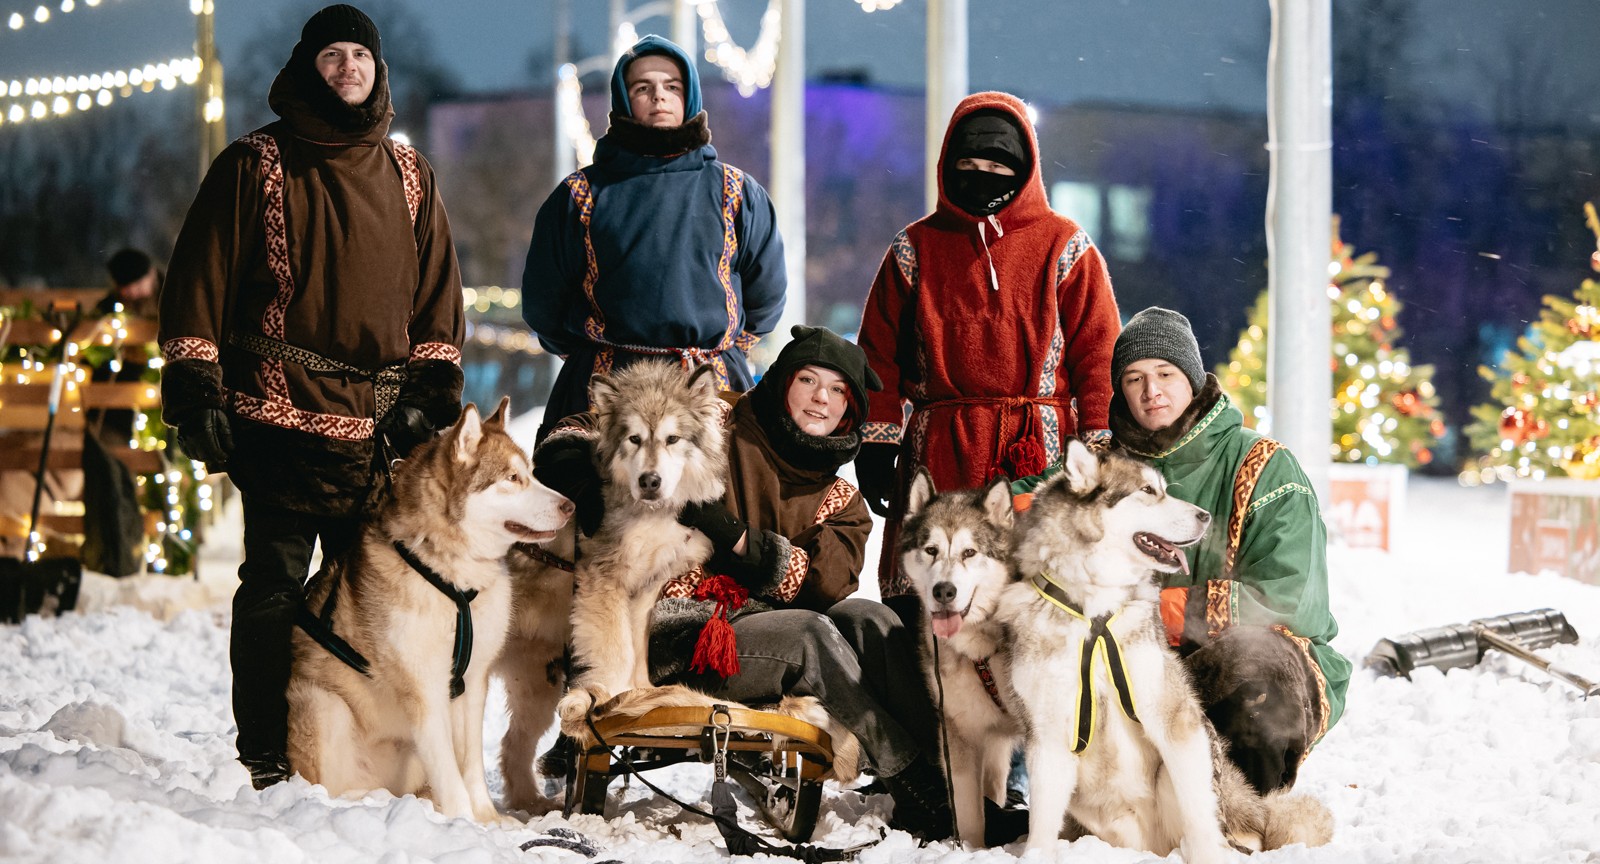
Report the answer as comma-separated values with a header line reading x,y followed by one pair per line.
x,y
1543,420
1384,408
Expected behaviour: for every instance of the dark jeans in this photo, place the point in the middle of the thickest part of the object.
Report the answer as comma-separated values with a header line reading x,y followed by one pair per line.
x,y
858,660
277,558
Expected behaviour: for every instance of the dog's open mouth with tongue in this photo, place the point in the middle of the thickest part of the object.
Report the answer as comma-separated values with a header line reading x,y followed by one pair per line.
x,y
1164,551
947,622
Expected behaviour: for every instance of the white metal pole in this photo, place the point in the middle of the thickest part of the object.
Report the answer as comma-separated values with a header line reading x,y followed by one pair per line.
x,y
947,81
1299,226
686,27
788,181
563,156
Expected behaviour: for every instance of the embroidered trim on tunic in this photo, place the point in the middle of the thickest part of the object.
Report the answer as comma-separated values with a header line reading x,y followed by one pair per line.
x,y
436,351
189,348
410,178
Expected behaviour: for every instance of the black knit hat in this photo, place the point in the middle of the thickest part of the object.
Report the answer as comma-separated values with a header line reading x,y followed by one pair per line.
x,y
128,265
339,23
993,135
819,346
1161,334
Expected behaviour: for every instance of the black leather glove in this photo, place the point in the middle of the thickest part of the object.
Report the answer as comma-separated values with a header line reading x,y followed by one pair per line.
x,y
207,437
715,521
407,426
875,468
567,466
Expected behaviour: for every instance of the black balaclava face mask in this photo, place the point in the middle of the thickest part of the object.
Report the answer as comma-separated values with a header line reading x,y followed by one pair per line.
x,y
991,135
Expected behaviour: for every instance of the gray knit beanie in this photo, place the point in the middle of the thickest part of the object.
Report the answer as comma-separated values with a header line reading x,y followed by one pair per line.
x,y
1164,335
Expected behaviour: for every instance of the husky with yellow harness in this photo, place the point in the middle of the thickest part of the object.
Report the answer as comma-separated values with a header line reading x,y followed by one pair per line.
x,y
1114,734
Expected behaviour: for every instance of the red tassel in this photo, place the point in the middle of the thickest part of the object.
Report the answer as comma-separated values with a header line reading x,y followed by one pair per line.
x,y
717,649
1026,457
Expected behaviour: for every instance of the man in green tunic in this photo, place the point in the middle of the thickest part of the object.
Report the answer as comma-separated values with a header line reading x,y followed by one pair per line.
x,y
1251,616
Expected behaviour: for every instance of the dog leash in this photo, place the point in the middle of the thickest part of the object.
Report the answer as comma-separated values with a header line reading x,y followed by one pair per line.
x,y
461,655
724,810
1099,634
944,741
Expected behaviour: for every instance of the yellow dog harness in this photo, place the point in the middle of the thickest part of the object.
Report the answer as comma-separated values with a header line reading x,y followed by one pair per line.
x,y
1099,635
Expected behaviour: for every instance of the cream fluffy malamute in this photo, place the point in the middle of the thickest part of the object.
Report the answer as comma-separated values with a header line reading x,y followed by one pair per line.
x,y
1114,733
417,614
955,549
659,445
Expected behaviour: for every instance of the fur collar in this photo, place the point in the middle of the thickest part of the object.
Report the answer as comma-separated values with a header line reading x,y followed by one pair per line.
x,y
635,137
1132,436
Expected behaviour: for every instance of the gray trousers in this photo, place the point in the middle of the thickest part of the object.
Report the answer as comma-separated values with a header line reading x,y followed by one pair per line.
x,y
859,660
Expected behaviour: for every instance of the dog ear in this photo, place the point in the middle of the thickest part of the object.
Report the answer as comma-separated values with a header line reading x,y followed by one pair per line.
x,y
996,501
1081,467
468,434
921,492
498,418
703,380
602,393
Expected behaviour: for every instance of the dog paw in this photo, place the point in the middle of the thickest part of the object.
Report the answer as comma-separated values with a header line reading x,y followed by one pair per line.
x,y
574,707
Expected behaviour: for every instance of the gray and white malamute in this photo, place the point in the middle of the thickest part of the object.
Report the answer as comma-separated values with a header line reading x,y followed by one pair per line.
x,y
955,549
1114,732
659,445
391,695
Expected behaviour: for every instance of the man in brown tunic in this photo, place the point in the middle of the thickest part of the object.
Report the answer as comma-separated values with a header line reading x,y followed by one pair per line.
x,y
311,323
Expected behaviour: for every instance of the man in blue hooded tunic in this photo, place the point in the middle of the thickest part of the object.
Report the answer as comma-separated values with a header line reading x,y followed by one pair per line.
x,y
655,250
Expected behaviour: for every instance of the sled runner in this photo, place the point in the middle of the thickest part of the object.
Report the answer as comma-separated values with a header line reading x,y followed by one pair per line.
x,y
780,763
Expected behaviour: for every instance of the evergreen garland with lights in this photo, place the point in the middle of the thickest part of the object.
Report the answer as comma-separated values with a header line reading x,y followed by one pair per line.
x,y
1544,420
1385,410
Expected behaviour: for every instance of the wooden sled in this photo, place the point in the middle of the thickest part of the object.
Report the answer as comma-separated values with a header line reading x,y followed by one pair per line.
x,y
785,777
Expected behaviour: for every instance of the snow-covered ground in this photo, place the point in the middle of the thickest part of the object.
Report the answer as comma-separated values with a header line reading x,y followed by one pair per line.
x,y
116,737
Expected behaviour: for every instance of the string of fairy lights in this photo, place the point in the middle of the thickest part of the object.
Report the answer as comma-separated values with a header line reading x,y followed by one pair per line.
x,y
43,15
42,98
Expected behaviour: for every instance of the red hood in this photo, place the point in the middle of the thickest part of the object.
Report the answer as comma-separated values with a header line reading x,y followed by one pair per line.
x,y
1031,201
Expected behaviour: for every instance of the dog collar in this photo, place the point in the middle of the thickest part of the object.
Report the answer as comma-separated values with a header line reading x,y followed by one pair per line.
x,y
461,656
986,675
1099,634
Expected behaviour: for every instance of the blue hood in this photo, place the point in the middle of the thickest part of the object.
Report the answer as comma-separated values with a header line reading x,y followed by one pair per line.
x,y
653,44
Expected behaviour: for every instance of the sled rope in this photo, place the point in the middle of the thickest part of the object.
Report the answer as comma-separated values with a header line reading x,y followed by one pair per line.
x,y
461,655
1099,635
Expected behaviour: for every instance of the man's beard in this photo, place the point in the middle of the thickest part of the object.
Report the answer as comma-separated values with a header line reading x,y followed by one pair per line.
x,y
341,115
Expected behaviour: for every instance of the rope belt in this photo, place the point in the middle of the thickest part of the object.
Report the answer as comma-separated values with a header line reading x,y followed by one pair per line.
x,y
1005,433
386,381
1099,635
690,358
461,655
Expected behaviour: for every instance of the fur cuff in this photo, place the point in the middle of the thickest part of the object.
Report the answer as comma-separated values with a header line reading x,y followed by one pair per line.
x,y
188,387
435,387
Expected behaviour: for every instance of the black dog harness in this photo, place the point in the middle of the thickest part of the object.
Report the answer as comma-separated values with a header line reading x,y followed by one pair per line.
x,y
1099,634
320,627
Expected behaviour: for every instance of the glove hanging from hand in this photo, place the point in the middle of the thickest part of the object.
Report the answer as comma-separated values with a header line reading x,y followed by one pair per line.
x,y
719,525
875,468
207,437
566,466
407,426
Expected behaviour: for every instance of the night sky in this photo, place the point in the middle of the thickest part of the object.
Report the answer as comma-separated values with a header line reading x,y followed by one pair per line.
x,y
1188,53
